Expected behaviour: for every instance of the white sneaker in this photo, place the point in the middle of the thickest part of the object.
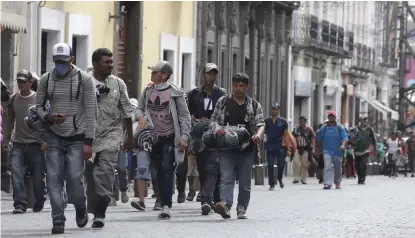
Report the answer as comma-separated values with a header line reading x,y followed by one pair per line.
x,y
124,197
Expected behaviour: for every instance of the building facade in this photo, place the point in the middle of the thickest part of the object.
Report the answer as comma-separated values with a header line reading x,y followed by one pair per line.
x,y
338,63
253,37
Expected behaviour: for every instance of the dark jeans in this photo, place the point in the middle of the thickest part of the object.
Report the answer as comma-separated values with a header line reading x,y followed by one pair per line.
x,y
229,163
361,165
275,157
122,164
64,161
411,162
349,166
208,168
391,166
162,156
27,157
181,175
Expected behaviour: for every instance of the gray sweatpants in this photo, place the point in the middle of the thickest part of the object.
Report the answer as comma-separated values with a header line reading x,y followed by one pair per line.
x,y
100,177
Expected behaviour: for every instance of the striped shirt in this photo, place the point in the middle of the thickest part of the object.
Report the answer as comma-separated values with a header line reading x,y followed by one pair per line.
x,y
80,113
304,136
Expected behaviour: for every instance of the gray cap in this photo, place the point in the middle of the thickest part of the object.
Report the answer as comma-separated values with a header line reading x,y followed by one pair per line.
x,y
209,67
163,67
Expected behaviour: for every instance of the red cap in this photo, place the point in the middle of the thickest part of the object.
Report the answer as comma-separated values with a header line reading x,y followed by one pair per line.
x,y
333,113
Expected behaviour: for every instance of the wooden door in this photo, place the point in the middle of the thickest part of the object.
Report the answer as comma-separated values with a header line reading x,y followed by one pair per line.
x,y
122,49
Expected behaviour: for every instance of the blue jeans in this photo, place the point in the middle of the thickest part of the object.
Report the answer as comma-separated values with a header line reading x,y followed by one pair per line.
x,y
275,157
27,157
162,157
229,163
332,164
64,161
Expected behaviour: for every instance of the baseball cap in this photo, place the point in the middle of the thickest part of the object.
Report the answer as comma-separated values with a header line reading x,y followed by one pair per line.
x,y
62,51
209,67
331,113
24,75
276,106
163,67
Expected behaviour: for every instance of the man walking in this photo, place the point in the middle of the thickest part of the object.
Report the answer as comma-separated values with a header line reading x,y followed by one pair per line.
x,y
70,93
276,129
114,110
367,137
164,105
202,101
333,138
410,143
305,138
26,154
238,110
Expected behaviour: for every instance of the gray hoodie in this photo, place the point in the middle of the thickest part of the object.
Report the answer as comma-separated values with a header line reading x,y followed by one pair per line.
x,y
178,110
79,106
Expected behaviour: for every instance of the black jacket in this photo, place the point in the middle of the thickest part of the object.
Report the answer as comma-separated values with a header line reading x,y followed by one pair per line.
x,y
196,104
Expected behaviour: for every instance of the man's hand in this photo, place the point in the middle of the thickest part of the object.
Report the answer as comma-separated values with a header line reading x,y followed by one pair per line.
x,y
128,144
204,119
256,138
221,132
57,118
142,123
182,145
5,147
87,152
342,147
44,146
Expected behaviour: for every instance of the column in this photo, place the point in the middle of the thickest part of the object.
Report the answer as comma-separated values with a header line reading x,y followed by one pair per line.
x,y
231,25
32,40
243,31
345,103
220,27
279,40
252,41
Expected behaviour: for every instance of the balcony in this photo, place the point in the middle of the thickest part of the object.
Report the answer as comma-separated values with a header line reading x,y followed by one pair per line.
x,y
362,59
315,36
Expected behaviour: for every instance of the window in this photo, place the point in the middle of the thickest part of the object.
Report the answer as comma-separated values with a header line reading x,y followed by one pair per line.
x,y
168,55
74,43
186,71
222,67
210,55
234,63
43,52
80,51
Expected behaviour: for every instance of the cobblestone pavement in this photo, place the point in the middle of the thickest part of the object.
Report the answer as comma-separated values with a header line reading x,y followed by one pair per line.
x,y
382,208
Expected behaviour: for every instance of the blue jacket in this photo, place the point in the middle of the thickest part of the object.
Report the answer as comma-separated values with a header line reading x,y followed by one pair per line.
x,y
332,137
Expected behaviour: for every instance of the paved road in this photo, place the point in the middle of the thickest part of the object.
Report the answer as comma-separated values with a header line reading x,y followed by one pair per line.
x,y
382,208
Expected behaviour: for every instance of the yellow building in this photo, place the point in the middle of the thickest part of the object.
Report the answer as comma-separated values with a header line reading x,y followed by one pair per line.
x,y
83,25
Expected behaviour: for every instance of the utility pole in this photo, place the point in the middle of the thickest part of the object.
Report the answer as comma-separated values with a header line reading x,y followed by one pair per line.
x,y
402,63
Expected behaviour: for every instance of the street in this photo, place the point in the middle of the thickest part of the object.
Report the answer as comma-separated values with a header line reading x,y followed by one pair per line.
x,y
382,208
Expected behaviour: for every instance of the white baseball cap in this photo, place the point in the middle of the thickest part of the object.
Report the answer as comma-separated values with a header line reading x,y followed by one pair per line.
x,y
62,51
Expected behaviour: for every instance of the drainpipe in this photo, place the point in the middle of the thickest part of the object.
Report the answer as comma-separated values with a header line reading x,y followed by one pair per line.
x,y
39,38
192,83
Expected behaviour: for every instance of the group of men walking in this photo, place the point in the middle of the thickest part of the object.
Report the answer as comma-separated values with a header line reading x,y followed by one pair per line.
x,y
83,117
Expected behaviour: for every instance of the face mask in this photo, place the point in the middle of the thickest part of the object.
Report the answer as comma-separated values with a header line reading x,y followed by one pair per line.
x,y
61,69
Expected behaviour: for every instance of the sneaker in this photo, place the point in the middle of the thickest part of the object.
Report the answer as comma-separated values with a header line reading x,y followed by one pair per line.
x,y
98,223
157,206
191,196
81,218
39,205
326,186
124,197
58,228
338,186
181,197
112,203
412,175
154,196
303,182
19,210
222,210
165,213
320,181
295,181
281,183
206,209
139,205
241,212
272,188
199,197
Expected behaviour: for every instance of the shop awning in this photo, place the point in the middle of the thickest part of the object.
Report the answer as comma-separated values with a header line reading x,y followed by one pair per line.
x,y
394,114
380,107
13,15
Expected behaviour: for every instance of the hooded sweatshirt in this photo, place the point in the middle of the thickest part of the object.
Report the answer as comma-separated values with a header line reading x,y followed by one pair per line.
x,y
81,112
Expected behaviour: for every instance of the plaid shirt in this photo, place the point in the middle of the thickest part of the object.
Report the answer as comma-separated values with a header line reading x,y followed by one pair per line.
x,y
256,119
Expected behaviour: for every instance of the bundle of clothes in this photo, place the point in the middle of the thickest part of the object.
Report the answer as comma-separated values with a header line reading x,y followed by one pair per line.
x,y
204,136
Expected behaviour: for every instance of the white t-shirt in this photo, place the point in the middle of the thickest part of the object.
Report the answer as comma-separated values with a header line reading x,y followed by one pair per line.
x,y
393,145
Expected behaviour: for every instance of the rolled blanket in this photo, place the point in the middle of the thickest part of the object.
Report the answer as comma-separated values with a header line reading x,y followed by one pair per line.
x,y
144,139
197,132
235,138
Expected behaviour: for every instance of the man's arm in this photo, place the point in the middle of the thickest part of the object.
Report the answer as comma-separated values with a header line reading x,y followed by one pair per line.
x,y
184,117
259,120
9,122
313,138
90,105
217,111
140,109
344,136
374,141
126,109
40,96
